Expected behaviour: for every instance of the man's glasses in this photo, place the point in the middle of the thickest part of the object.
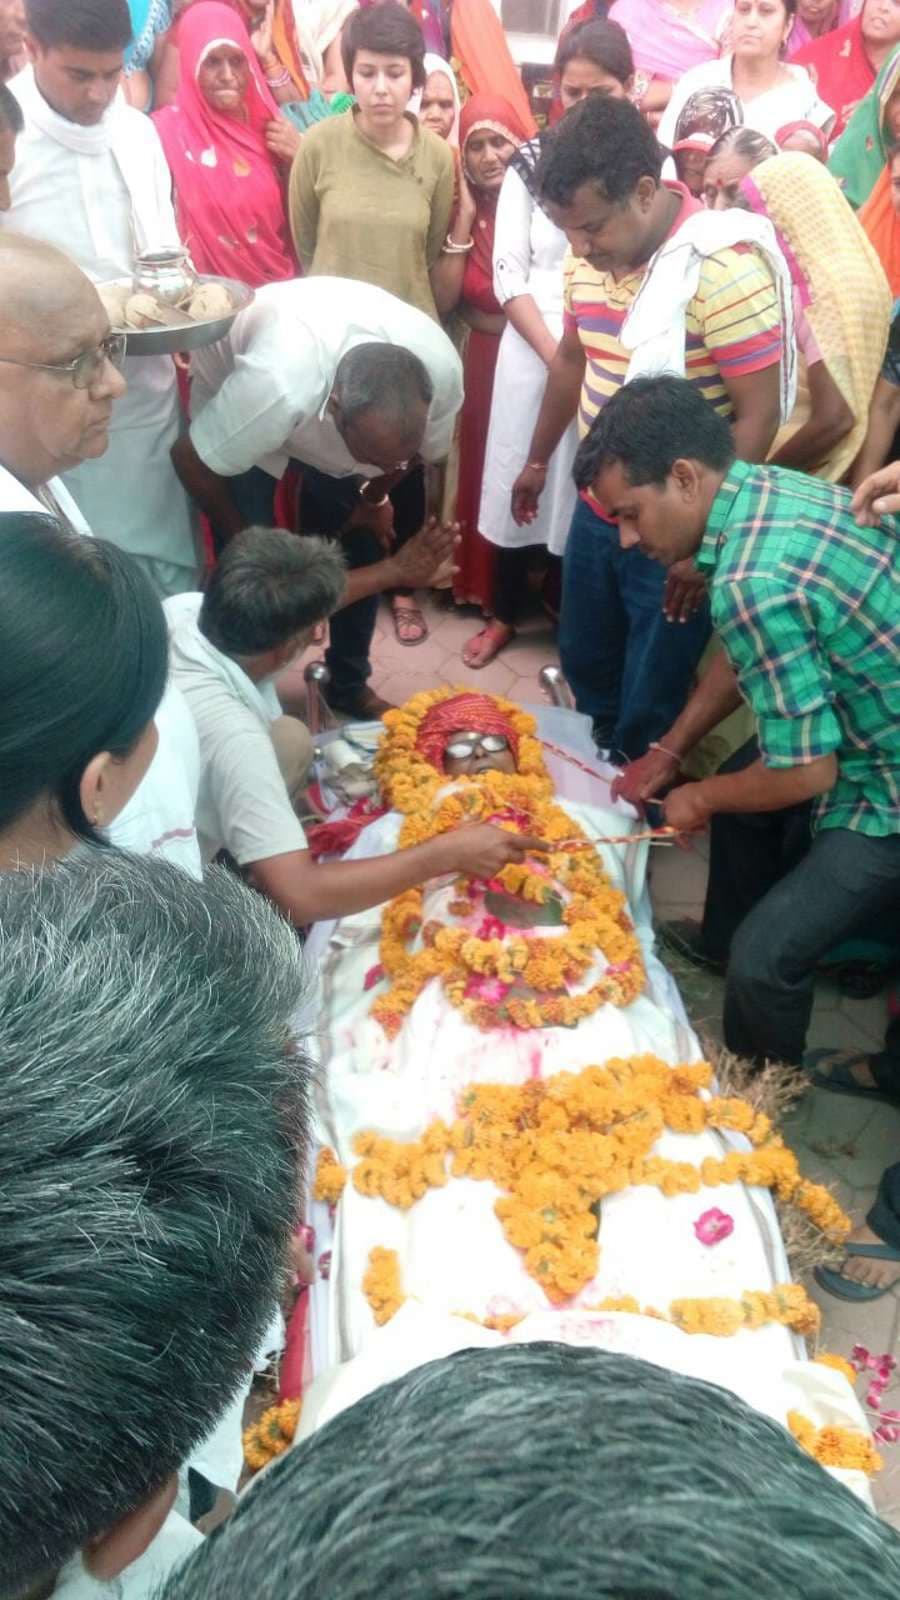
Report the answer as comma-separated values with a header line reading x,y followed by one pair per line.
x,y
463,745
86,368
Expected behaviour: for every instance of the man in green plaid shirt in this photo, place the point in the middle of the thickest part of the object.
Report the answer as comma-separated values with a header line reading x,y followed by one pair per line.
x,y
807,605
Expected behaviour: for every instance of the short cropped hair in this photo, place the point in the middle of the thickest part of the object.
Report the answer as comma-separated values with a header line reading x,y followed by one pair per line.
x,y
381,377
601,141
389,29
266,587
153,1116
11,118
546,1472
101,25
648,426
606,44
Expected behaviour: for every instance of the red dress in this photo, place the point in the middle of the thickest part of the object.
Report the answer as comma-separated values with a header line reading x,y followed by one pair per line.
x,y
477,557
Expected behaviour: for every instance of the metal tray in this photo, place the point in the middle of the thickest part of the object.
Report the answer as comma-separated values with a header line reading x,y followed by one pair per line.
x,y
194,335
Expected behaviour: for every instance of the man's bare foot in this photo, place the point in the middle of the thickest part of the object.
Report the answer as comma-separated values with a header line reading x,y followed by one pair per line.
x,y
850,1060
869,1270
484,646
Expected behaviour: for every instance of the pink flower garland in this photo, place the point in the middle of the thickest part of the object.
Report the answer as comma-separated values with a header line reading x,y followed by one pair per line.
x,y
883,1367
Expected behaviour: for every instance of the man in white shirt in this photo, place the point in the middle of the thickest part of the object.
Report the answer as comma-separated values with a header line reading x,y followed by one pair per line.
x,y
59,382
152,1117
91,178
265,595
354,385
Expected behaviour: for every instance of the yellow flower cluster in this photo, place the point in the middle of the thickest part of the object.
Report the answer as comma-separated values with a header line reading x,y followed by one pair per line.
x,y
835,1446
330,1178
838,1364
787,1303
271,1435
558,1146
381,1284
536,970
401,1173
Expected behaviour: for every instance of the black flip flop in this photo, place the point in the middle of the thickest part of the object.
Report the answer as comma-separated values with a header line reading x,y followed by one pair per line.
x,y
841,1080
847,1288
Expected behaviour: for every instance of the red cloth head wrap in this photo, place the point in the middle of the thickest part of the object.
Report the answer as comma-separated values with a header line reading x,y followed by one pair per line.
x,y
459,715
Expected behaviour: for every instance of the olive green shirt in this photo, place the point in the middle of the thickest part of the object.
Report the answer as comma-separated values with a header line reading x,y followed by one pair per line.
x,y
356,213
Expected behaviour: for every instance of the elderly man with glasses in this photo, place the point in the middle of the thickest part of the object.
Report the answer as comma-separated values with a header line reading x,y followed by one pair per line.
x,y
59,377
91,179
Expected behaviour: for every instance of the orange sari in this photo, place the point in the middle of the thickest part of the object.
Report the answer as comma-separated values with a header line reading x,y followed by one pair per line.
x,y
882,225
479,45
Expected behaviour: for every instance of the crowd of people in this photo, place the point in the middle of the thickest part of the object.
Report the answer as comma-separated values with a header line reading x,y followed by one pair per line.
x,y
641,360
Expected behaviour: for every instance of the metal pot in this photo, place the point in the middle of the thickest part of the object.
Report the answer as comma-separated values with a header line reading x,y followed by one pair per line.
x,y
167,274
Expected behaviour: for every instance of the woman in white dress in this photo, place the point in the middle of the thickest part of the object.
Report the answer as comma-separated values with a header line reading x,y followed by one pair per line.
x,y
771,90
528,282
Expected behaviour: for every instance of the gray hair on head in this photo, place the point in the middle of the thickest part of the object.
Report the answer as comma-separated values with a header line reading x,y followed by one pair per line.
x,y
543,1472
267,587
153,1117
383,378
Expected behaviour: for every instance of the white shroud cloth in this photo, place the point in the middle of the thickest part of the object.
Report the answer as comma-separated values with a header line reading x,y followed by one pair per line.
x,y
102,194
453,1256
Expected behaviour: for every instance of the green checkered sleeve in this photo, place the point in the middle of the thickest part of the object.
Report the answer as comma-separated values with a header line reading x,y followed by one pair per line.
x,y
769,632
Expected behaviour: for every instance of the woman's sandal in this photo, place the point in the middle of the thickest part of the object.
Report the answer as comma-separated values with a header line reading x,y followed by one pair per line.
x,y
845,1288
475,659
840,1079
410,619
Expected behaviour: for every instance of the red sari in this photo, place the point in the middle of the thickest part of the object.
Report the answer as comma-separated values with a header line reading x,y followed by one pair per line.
x,y
840,70
474,581
229,195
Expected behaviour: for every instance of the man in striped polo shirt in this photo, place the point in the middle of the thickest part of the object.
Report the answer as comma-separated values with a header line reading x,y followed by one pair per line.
x,y
631,636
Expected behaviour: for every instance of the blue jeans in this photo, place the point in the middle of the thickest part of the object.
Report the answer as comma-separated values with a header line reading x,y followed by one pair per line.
x,y
628,668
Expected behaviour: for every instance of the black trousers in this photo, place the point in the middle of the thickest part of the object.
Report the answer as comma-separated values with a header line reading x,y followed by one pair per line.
x,y
776,903
326,504
884,1217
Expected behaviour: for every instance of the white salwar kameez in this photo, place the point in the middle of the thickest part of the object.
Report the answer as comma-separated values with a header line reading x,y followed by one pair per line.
x,y
528,258
101,194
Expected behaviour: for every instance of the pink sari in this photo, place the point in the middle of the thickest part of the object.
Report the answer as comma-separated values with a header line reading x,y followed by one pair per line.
x,y
229,197
663,42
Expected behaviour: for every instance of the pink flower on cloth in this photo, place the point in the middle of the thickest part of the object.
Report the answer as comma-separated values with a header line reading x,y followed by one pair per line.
x,y
714,1226
373,976
492,991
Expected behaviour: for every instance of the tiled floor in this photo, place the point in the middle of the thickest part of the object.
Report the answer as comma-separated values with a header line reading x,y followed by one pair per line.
x,y
842,1142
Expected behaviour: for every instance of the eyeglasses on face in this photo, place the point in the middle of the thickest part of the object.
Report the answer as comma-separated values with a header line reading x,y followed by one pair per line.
x,y
86,368
463,745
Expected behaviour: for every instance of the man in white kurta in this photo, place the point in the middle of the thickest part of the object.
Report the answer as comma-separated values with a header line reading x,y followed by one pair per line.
x,y
91,178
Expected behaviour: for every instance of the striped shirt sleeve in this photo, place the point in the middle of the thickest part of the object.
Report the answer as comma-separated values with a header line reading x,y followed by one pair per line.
x,y
737,310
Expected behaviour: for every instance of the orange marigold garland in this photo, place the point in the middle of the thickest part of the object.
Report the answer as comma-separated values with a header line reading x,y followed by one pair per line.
x,y
835,1446
558,1146
381,1284
330,1179
271,1435
492,976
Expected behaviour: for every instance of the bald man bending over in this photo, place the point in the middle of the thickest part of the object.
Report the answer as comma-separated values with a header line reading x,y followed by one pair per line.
x,y
59,376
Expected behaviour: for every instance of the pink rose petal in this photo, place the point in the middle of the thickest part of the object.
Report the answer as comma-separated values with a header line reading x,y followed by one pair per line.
x,y
713,1226
373,976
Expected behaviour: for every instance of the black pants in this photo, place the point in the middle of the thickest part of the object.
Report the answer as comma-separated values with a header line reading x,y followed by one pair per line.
x,y
843,882
748,854
325,506
513,567
884,1217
